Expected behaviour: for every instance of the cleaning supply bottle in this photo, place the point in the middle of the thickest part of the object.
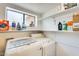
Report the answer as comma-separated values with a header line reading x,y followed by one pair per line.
x,y
18,26
70,25
13,25
59,26
64,26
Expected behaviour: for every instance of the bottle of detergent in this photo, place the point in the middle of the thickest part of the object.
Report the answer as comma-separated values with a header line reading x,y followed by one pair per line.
x,y
64,26
13,25
59,26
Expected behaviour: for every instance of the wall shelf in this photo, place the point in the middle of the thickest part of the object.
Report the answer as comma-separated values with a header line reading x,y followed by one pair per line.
x,y
61,31
27,30
71,10
42,30
60,13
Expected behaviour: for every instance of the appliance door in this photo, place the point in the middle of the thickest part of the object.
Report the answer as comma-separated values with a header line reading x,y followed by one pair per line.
x,y
27,50
49,49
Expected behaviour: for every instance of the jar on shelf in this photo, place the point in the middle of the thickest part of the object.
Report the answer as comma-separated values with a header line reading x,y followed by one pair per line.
x,y
70,25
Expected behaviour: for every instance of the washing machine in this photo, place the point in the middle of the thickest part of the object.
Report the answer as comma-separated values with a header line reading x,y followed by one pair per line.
x,y
23,47
30,47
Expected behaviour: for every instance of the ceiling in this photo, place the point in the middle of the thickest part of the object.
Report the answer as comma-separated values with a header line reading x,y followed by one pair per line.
x,y
39,8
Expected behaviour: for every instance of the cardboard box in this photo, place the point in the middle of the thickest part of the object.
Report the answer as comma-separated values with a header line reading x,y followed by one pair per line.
x,y
76,22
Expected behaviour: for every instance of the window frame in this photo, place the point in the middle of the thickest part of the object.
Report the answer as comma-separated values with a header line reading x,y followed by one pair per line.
x,y
24,13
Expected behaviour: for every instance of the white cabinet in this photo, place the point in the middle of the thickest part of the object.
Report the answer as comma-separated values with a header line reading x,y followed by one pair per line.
x,y
66,50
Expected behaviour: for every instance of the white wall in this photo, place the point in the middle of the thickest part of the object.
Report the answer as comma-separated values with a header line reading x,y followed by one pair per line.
x,y
48,24
53,11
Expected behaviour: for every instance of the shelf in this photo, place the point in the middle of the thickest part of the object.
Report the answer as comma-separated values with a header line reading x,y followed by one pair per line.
x,y
61,31
11,31
27,30
71,10
20,31
43,30
60,13
33,29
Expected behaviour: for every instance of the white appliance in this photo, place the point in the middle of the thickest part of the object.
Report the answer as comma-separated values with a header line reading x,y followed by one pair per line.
x,y
23,47
30,47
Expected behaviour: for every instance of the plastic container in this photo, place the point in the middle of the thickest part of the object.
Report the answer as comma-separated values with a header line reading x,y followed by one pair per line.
x,y
59,26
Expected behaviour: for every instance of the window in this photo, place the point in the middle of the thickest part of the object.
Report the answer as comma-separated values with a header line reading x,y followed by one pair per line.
x,y
29,20
14,17
24,20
